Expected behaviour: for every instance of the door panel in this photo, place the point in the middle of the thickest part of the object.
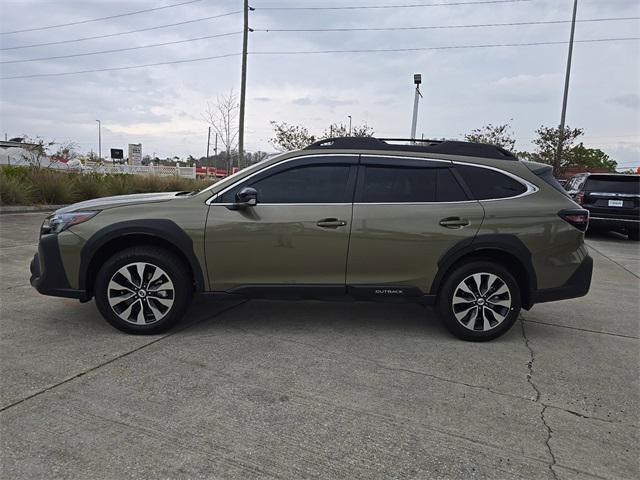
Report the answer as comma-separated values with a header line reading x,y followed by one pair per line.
x,y
400,244
297,234
277,244
407,214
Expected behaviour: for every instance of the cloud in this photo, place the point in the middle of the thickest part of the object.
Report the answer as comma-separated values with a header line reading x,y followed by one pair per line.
x,y
326,101
630,100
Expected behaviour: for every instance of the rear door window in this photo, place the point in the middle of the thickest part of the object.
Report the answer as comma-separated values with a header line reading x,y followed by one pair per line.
x,y
486,184
392,184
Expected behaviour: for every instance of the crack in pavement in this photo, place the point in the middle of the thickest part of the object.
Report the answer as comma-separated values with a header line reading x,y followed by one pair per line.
x,y
537,400
123,355
581,329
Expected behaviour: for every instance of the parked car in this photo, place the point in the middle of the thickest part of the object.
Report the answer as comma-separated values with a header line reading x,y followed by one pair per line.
x,y
613,200
467,228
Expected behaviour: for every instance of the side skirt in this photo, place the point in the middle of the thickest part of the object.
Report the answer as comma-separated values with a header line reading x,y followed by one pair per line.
x,y
376,293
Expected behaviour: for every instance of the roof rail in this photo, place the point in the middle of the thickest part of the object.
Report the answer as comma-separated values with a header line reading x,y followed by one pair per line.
x,y
448,147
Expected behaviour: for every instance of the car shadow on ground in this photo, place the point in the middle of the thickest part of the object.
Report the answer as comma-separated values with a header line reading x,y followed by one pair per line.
x,y
600,234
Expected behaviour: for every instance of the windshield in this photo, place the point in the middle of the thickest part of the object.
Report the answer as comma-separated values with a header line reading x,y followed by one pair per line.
x,y
232,178
629,184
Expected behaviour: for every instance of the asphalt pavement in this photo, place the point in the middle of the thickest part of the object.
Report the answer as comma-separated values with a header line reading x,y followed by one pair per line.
x,y
333,390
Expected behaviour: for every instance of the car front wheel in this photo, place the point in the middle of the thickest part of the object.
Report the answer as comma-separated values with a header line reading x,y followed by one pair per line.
x,y
479,301
143,290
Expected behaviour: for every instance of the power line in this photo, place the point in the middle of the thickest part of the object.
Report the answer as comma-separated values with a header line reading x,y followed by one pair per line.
x,y
114,50
415,5
112,69
59,42
310,52
434,27
80,22
445,47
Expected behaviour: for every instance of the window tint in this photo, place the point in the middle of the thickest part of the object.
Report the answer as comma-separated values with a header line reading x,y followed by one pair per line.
x,y
448,188
397,184
385,184
486,184
306,184
629,184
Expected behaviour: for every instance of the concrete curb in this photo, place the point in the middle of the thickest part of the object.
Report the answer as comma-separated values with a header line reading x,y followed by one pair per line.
x,y
28,208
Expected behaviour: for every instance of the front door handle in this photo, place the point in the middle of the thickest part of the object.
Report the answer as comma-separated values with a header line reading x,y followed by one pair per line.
x,y
454,222
331,223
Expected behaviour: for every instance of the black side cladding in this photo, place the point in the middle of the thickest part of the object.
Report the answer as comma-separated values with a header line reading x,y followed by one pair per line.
x,y
164,229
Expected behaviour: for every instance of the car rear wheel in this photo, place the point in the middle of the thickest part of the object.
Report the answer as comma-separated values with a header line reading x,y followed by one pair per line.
x,y
143,290
479,301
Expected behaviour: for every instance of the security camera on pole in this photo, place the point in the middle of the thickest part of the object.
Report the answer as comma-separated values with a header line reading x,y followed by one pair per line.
x,y
417,80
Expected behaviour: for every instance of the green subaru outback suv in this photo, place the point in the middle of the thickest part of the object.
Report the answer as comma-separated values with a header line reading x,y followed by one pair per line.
x,y
466,228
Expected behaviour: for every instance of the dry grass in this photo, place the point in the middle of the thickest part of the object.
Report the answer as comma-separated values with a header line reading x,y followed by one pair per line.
x,y
29,186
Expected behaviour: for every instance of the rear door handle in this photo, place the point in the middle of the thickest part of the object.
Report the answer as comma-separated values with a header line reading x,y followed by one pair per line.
x,y
331,223
454,222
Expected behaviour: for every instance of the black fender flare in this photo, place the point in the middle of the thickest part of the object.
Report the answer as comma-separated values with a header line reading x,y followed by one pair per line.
x,y
508,243
161,229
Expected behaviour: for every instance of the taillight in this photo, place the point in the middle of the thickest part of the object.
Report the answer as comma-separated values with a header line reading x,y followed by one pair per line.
x,y
580,198
577,218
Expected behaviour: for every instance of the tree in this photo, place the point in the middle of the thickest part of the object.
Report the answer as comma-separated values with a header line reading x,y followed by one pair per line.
x,y
290,137
223,116
35,150
500,135
342,130
581,156
66,151
547,141
295,137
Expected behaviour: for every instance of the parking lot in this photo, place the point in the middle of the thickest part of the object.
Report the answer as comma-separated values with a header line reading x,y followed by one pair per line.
x,y
263,389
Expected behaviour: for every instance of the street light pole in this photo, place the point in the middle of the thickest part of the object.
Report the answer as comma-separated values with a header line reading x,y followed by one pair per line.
x,y
349,125
417,80
99,141
556,163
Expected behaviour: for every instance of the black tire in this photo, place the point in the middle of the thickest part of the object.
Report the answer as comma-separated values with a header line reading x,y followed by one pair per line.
x,y
634,234
450,287
177,291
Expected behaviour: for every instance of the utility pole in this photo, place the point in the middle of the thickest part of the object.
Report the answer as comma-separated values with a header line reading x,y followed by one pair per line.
x,y
349,125
99,141
243,81
208,142
417,80
556,164
215,146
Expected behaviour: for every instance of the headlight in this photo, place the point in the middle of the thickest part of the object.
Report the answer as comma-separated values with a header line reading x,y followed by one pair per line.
x,y
58,222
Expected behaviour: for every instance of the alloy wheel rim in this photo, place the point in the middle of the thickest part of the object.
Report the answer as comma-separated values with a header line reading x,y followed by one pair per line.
x,y
481,301
141,293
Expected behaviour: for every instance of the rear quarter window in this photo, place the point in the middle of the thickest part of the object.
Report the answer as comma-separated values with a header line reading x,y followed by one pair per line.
x,y
486,184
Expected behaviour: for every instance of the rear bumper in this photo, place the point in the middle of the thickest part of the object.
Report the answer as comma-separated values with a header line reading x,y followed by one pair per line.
x,y
577,285
596,220
47,272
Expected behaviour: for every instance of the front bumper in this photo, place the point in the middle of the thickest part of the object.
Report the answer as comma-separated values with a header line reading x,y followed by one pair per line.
x,y
47,272
577,285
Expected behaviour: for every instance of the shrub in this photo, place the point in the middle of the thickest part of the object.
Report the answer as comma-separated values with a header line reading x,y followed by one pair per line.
x,y
52,188
120,184
15,191
25,185
88,186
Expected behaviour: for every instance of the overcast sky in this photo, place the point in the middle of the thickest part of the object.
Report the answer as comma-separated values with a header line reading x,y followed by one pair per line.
x,y
162,106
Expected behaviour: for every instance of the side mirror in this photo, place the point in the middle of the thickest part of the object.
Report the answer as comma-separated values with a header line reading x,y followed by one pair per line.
x,y
247,197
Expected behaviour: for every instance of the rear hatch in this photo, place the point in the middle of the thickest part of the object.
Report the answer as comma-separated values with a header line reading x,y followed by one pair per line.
x,y
612,196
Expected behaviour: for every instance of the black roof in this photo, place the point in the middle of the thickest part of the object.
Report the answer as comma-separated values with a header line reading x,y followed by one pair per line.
x,y
449,147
